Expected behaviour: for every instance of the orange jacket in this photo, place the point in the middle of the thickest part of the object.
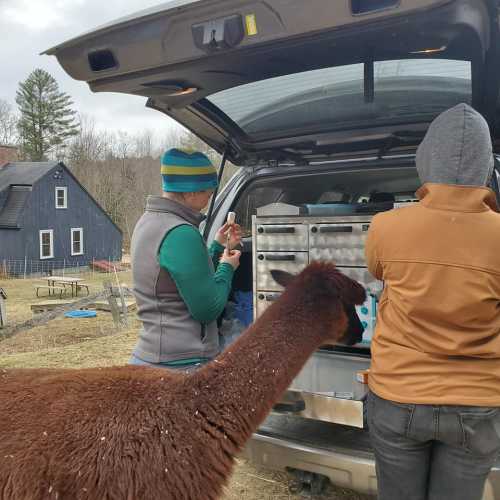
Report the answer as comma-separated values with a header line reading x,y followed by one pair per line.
x,y
437,339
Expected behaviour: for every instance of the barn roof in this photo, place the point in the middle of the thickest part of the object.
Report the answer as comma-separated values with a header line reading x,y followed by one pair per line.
x,y
16,179
24,173
14,205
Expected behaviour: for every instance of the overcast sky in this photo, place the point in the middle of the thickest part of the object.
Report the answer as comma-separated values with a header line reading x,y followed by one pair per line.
x,y
29,27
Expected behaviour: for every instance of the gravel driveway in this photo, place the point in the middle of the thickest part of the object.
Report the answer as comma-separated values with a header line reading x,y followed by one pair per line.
x,y
250,483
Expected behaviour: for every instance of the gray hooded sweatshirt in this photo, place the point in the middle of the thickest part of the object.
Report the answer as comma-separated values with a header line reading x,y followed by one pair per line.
x,y
457,149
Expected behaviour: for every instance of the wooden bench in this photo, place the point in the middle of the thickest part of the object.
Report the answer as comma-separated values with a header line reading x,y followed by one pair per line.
x,y
82,285
42,307
50,288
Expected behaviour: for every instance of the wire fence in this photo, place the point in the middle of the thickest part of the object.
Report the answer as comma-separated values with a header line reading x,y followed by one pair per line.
x,y
26,268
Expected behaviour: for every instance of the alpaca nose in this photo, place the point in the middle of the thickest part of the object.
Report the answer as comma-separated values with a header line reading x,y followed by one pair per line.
x,y
354,332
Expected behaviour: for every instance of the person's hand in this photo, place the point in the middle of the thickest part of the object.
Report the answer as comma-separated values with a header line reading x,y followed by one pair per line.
x,y
234,231
232,258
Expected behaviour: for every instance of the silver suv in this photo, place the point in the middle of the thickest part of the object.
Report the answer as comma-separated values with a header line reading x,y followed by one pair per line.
x,y
319,102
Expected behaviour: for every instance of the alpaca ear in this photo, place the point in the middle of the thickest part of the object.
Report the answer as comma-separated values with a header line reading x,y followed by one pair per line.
x,y
282,277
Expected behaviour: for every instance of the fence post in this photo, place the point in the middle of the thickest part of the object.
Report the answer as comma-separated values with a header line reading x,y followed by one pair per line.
x,y
115,312
3,312
25,264
122,300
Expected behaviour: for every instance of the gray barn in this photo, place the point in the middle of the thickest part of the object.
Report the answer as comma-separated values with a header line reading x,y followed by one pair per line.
x,y
48,219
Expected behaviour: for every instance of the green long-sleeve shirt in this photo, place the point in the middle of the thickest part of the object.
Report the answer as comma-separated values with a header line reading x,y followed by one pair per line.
x,y
184,255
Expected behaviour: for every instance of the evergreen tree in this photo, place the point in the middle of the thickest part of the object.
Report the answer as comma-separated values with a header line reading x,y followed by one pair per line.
x,y
46,118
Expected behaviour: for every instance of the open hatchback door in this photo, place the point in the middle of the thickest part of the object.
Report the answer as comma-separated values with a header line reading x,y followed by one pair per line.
x,y
299,81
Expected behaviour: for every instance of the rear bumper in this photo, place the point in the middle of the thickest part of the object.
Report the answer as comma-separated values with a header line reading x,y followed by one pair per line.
x,y
343,469
353,469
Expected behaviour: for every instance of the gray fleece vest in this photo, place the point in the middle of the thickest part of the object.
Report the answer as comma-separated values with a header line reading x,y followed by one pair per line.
x,y
169,331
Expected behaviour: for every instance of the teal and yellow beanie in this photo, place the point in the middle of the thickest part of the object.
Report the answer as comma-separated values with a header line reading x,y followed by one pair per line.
x,y
184,172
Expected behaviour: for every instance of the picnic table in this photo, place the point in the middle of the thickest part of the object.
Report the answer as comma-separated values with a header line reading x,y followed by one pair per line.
x,y
75,283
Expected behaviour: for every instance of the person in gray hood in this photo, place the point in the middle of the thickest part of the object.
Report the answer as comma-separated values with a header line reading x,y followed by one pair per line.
x,y
434,401
457,149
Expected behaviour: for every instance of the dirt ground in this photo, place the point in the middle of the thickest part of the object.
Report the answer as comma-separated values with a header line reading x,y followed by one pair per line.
x,y
75,343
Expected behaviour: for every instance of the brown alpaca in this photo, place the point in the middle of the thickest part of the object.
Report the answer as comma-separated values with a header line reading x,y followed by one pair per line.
x,y
137,433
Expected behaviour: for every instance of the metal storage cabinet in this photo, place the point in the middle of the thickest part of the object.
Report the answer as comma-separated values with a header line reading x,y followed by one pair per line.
x,y
290,243
327,385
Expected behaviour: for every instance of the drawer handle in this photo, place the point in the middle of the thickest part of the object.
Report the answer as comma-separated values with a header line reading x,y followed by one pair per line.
x,y
277,258
270,297
335,229
294,407
276,230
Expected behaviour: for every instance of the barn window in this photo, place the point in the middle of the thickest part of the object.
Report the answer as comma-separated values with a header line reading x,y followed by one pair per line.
x,y
77,241
61,197
47,244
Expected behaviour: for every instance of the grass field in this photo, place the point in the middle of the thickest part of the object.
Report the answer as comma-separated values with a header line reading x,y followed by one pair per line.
x,y
78,343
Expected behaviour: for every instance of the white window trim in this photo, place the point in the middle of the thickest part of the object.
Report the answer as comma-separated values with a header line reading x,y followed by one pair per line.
x,y
65,190
73,231
51,232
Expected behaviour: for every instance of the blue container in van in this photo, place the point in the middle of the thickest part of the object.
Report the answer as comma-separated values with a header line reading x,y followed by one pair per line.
x,y
244,307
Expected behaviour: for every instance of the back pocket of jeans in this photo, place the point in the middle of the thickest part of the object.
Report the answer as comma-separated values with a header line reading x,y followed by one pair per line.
x,y
389,418
481,430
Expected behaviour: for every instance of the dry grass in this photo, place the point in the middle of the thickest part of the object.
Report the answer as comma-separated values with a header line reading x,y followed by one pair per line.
x,y
79,343
60,332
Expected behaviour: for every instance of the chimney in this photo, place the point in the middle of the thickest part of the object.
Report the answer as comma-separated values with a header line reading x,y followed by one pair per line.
x,y
8,154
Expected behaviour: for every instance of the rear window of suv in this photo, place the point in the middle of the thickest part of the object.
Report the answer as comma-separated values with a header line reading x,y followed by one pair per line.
x,y
404,90
356,186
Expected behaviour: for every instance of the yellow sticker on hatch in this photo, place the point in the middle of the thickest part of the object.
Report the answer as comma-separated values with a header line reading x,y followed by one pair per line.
x,y
251,23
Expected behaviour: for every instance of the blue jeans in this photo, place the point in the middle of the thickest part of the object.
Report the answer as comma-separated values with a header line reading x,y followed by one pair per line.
x,y
182,368
426,452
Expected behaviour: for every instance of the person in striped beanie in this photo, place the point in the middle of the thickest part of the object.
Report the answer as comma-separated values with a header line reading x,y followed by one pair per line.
x,y
184,172
181,286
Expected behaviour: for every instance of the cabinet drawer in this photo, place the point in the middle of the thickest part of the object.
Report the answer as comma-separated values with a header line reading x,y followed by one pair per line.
x,y
291,262
264,300
361,275
342,243
282,237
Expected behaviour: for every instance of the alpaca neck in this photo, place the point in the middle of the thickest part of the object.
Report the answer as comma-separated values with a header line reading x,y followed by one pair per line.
x,y
244,382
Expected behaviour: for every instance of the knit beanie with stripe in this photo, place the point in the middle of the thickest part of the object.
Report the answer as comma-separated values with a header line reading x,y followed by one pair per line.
x,y
185,172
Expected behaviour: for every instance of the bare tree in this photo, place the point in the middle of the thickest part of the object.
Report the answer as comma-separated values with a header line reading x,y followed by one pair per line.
x,y
8,124
144,144
172,139
120,169
88,144
123,144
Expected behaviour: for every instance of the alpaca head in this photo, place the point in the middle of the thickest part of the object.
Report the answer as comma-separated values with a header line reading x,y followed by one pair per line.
x,y
321,283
